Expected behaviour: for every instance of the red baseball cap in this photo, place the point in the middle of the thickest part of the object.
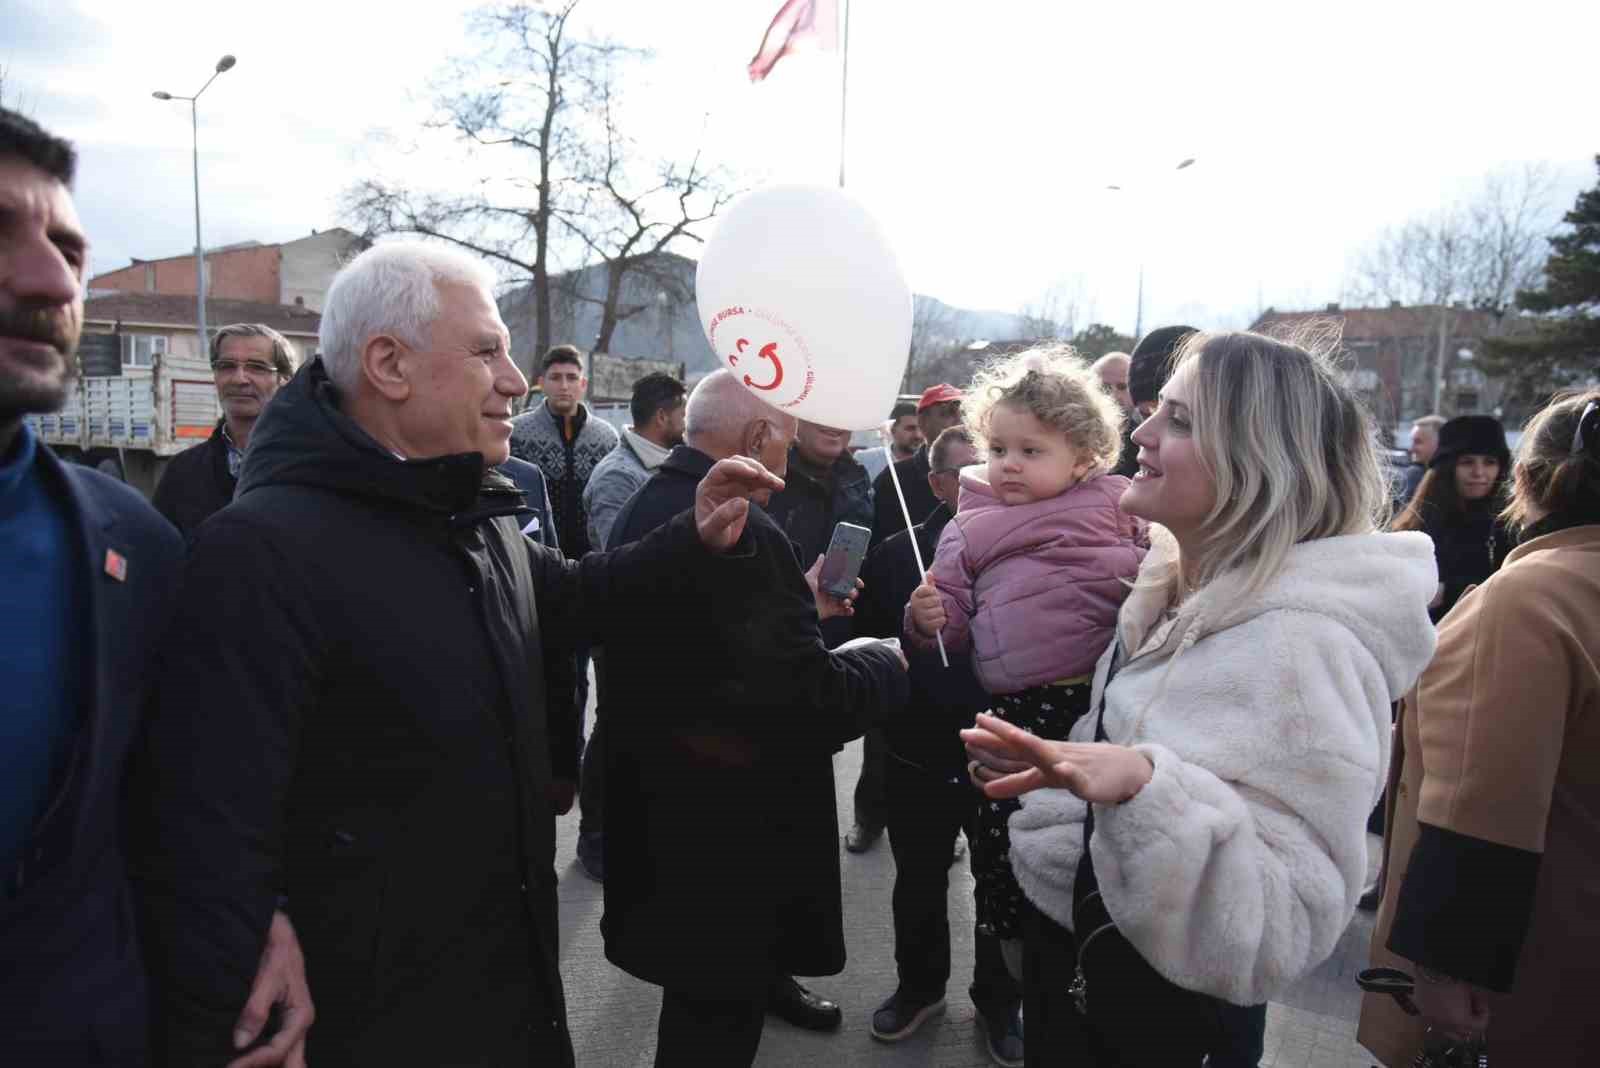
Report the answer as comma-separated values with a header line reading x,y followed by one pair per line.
x,y
944,391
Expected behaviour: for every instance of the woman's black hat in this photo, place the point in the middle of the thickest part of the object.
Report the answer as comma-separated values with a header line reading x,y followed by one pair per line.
x,y
1472,435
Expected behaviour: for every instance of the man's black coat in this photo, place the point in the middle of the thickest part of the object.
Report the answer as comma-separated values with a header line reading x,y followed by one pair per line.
x,y
195,484
72,985
367,692
722,844
943,700
886,515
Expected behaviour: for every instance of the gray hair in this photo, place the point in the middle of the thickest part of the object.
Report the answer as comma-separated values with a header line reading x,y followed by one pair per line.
x,y
1428,422
390,289
1110,358
720,409
282,354
949,438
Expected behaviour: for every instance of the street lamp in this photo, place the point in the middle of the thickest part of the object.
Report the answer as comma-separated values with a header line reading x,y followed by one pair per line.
x,y
1138,315
223,64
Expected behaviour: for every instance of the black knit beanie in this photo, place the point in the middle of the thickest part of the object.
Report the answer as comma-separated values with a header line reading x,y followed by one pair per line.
x,y
1151,362
1472,435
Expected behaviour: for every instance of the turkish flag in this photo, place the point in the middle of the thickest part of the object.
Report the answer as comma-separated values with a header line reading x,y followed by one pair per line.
x,y
798,24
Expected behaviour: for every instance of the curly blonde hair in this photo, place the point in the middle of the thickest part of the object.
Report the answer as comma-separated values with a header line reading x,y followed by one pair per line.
x,y
1057,387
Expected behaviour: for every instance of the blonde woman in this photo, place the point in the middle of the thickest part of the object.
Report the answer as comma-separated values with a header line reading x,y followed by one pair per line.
x,y
1495,818
1201,839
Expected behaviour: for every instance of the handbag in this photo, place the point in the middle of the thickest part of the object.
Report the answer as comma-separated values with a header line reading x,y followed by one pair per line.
x,y
1439,1050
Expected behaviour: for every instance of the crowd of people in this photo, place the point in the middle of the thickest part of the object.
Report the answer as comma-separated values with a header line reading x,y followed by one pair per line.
x,y
285,751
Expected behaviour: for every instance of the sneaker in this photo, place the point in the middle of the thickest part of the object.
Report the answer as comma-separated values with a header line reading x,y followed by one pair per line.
x,y
902,1014
591,854
860,839
1003,1033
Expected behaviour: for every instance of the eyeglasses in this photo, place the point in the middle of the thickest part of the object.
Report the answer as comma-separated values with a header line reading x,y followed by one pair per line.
x,y
1577,435
253,368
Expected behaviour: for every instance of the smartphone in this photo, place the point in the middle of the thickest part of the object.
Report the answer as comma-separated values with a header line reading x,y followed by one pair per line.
x,y
842,565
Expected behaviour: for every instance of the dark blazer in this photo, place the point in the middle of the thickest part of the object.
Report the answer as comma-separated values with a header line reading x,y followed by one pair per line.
x,y
943,700
886,515
732,725
540,525
195,484
72,985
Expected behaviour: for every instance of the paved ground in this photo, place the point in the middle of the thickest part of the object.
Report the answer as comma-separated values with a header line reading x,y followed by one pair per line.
x,y
613,1016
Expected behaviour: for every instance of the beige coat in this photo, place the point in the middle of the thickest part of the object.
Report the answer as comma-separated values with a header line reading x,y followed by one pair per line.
x,y
1500,741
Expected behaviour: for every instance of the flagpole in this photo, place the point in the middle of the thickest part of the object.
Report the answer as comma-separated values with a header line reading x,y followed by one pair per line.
x,y
844,89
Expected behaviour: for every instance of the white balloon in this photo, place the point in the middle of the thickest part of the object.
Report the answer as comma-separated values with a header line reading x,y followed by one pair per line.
x,y
803,300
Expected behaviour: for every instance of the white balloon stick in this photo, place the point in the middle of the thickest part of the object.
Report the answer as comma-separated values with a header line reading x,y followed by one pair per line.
x,y
922,569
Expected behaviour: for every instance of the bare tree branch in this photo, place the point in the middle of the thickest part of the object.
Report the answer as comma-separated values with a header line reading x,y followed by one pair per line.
x,y
535,110
1472,255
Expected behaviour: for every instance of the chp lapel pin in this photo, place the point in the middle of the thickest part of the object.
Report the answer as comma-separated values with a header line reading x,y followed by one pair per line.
x,y
116,565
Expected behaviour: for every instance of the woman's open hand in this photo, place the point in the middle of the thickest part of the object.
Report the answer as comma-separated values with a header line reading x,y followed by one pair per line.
x,y
1095,771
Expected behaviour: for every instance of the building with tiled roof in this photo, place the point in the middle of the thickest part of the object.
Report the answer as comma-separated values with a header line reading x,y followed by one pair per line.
x,y
129,329
1391,352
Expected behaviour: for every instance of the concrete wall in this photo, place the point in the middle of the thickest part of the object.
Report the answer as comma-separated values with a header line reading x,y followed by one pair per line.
x,y
309,265
668,330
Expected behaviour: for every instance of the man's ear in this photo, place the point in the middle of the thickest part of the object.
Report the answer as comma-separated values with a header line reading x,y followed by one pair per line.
x,y
385,366
756,435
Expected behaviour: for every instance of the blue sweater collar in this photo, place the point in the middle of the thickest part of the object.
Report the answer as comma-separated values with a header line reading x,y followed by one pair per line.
x,y
16,464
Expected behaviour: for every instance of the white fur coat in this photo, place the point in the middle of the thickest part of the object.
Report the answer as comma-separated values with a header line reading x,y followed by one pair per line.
x,y
1236,868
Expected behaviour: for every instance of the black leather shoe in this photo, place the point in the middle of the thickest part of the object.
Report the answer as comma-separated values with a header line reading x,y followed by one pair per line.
x,y
860,839
792,1002
1371,897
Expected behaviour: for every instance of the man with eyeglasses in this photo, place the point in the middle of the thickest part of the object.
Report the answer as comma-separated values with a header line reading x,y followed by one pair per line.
x,y
250,361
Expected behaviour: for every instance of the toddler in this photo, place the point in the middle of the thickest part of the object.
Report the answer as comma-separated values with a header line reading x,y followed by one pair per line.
x,y
1032,569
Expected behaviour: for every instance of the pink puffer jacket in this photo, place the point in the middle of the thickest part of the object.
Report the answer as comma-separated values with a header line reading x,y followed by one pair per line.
x,y
1035,588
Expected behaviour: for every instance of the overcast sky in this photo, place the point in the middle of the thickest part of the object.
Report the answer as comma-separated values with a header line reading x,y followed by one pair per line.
x,y
982,134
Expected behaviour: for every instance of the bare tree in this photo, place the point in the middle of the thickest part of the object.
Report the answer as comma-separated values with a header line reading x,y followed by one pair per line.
x,y
1473,255
1055,313
625,219
498,116
933,326
14,100
1511,218
536,106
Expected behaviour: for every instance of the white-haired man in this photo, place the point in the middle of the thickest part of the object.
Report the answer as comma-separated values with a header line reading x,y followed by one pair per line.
x,y
1113,370
369,691
721,845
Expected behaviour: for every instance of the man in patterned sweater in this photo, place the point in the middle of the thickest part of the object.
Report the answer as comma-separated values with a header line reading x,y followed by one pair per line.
x,y
562,438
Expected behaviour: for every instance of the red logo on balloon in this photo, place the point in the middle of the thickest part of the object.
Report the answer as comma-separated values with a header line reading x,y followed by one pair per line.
x,y
768,351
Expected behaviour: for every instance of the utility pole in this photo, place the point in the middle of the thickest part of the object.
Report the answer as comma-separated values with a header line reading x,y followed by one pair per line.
x,y
223,64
